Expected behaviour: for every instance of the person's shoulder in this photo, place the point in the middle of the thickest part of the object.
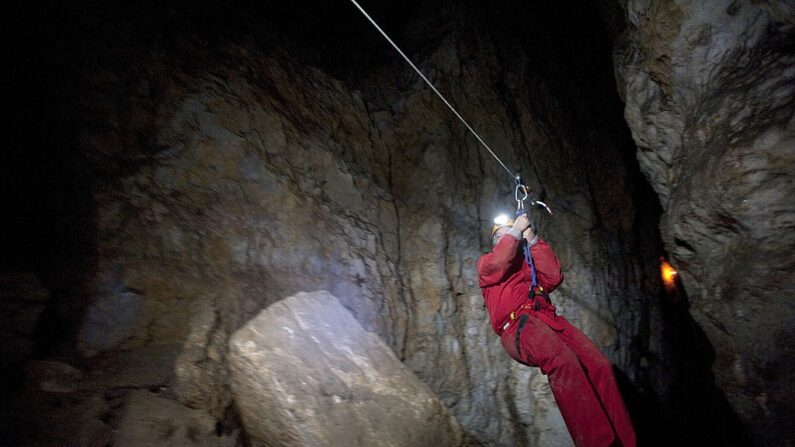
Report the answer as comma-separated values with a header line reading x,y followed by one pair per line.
x,y
483,255
482,258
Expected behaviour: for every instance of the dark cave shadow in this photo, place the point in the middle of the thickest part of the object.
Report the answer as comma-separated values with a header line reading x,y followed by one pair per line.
x,y
52,235
694,411
48,208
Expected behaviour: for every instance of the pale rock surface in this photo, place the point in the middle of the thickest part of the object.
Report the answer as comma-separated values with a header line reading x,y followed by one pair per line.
x,y
109,319
256,195
710,99
219,173
151,421
230,174
305,373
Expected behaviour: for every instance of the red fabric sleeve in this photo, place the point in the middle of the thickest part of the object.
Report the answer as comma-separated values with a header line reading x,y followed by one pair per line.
x,y
493,266
547,266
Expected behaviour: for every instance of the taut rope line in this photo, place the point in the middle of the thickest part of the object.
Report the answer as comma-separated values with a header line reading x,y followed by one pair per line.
x,y
447,103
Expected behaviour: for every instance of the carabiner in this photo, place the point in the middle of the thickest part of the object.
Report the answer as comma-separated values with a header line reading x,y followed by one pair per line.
x,y
520,190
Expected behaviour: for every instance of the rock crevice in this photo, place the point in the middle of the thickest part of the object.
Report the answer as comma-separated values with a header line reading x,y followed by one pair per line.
x,y
222,159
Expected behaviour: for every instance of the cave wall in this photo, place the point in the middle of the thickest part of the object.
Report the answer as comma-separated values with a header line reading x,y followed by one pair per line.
x,y
224,167
319,191
709,99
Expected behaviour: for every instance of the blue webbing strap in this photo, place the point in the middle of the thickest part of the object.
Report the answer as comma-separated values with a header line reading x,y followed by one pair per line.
x,y
529,257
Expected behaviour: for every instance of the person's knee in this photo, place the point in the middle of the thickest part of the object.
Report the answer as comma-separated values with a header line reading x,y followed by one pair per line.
x,y
559,359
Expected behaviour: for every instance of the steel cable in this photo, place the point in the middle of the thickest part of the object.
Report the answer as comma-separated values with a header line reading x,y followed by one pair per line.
x,y
447,103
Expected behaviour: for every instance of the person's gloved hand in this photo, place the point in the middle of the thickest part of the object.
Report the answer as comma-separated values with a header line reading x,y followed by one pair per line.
x,y
529,234
521,223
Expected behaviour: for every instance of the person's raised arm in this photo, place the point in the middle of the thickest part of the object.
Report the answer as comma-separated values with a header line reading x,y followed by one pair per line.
x,y
547,265
493,266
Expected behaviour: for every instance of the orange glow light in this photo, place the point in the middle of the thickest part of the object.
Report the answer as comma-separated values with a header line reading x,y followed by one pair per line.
x,y
668,273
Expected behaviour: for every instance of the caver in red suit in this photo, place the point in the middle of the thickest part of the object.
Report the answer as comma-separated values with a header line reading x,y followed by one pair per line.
x,y
580,376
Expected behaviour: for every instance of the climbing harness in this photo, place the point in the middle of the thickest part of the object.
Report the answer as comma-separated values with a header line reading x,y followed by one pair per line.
x,y
536,290
520,194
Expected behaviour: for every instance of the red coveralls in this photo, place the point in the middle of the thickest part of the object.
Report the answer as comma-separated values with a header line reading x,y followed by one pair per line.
x,y
581,377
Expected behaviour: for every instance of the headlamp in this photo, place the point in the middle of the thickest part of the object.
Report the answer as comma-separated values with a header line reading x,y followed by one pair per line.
x,y
501,220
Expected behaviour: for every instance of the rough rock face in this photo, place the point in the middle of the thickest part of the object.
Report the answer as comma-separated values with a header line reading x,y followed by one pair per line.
x,y
108,321
305,373
263,177
226,172
710,98
121,400
22,300
149,420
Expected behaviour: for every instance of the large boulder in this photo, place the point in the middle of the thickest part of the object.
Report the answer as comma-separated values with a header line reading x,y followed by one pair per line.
x,y
305,373
231,176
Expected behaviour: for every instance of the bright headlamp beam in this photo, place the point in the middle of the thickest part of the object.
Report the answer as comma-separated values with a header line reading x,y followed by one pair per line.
x,y
502,219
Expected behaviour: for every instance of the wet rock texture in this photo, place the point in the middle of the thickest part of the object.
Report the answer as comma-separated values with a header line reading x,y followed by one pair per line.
x,y
281,181
226,159
710,94
59,404
242,176
22,300
305,373
150,420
